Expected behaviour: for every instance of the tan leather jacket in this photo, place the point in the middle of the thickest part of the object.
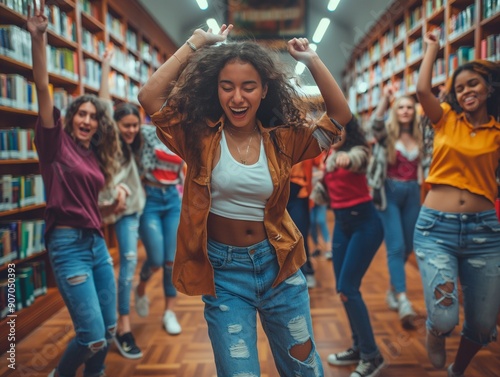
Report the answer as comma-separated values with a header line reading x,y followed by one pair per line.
x,y
192,273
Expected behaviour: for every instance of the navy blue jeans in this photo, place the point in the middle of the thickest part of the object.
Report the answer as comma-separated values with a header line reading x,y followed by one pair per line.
x,y
357,235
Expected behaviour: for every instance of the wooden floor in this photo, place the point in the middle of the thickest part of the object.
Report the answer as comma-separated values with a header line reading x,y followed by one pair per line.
x,y
189,354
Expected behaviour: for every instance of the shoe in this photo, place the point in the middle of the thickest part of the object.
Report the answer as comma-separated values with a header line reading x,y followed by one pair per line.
x,y
435,350
126,345
391,300
347,357
310,281
316,253
328,255
141,304
369,368
406,313
453,374
170,323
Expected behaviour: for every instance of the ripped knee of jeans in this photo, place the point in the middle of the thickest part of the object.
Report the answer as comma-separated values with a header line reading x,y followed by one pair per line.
x,y
444,293
97,346
300,333
78,279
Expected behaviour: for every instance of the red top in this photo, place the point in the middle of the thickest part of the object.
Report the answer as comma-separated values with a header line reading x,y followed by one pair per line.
x,y
346,189
71,176
403,169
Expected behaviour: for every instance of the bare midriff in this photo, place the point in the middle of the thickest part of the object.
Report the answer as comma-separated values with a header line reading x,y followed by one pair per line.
x,y
447,198
232,232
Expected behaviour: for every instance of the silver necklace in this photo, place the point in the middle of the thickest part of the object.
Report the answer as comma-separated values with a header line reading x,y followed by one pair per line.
x,y
242,160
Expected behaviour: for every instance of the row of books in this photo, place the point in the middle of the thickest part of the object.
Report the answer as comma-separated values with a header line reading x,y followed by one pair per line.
x,y
17,143
490,47
30,283
461,56
15,43
21,191
432,5
461,22
60,23
20,239
16,91
490,7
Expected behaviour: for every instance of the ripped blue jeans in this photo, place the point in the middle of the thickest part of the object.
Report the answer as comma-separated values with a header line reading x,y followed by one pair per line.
x,y
83,270
466,247
243,283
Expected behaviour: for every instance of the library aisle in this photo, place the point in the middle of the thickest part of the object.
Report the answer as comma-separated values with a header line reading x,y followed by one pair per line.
x,y
189,354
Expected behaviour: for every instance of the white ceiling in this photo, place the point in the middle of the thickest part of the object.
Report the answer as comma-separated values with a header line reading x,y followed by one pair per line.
x,y
349,23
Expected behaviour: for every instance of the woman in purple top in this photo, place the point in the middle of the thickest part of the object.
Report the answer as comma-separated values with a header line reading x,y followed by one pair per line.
x,y
76,162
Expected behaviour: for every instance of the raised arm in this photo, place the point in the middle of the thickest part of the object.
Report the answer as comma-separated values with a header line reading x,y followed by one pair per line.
x,y
154,93
37,27
383,104
335,102
430,104
105,68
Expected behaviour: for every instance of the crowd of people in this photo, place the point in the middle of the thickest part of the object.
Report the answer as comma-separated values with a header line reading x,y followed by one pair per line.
x,y
236,172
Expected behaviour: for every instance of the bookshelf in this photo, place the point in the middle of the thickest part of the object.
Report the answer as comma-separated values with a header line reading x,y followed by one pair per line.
x,y
79,32
391,52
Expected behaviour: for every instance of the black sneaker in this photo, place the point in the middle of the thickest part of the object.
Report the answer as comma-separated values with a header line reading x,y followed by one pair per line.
x,y
127,347
347,357
369,368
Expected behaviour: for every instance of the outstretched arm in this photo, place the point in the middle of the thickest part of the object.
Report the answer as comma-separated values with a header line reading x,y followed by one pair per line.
x,y
336,104
105,68
387,94
154,93
430,104
37,27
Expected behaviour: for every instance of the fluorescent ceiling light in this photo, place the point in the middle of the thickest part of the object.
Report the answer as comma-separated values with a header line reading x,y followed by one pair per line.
x,y
332,5
202,4
212,23
300,67
321,29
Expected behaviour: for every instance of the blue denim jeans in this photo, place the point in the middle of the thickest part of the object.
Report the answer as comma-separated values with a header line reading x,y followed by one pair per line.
x,y
84,274
466,247
243,283
158,232
398,219
127,235
357,235
318,220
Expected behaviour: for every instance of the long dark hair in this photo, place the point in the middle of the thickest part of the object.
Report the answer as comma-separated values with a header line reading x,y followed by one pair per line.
x,y
354,135
121,111
490,72
196,91
104,143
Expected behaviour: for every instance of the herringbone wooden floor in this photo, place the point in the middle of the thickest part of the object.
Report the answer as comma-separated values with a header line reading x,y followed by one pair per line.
x,y
189,354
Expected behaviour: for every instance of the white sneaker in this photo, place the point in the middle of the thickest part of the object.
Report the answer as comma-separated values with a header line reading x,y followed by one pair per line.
x,y
391,300
406,313
141,304
170,323
310,281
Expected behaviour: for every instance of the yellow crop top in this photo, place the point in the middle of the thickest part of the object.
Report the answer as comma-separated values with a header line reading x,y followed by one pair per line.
x,y
464,156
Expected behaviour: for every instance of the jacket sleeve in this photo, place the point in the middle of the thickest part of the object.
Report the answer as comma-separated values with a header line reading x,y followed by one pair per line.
x,y
168,122
358,156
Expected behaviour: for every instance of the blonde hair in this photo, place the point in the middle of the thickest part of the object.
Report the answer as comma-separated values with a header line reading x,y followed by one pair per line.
x,y
394,129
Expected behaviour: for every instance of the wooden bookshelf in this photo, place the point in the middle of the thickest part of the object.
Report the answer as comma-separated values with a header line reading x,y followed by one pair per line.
x,y
81,29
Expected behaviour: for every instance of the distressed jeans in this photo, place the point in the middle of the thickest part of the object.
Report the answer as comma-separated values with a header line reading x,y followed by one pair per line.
x,y
243,283
466,247
83,270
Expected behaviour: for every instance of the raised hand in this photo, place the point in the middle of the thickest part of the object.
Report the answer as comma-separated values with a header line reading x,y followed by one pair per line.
x,y
202,37
37,22
342,160
108,56
300,50
431,39
389,91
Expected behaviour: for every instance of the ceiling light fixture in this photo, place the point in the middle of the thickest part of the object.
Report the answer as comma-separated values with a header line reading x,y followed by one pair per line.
x,y
212,23
300,67
321,29
332,5
202,4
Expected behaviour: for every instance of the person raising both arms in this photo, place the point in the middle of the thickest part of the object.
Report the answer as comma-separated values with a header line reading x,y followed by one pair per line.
x,y
76,162
230,111
457,235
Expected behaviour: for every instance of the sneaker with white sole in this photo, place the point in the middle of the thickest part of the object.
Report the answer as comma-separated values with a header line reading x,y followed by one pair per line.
x,y
170,323
391,300
369,368
406,313
141,304
436,350
347,357
453,374
126,346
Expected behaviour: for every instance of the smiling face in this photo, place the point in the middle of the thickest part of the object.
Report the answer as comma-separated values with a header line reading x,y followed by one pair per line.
x,y
129,127
471,91
84,124
405,111
240,93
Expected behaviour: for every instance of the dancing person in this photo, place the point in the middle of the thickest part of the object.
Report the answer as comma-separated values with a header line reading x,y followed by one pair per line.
x,y
457,234
232,114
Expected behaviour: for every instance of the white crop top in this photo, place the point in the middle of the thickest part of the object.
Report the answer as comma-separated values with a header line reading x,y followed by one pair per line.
x,y
240,191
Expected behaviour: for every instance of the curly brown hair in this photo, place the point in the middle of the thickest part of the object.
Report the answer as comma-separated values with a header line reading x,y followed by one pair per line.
x,y
195,93
104,143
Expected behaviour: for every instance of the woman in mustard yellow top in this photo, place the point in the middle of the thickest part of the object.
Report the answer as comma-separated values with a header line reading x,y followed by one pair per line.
x,y
457,234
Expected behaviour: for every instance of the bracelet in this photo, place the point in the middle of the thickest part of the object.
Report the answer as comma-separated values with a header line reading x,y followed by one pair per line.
x,y
191,45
